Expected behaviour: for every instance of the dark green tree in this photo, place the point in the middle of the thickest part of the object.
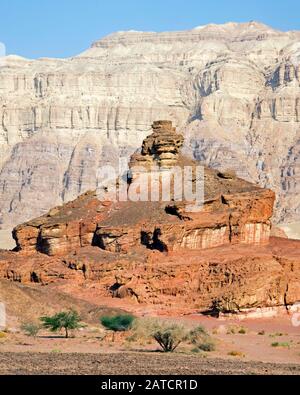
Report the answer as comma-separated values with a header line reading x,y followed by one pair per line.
x,y
117,323
66,320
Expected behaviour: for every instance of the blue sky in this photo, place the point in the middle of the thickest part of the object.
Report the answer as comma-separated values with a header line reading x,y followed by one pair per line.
x,y
61,28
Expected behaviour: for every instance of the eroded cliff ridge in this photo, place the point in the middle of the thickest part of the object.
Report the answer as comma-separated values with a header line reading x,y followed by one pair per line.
x,y
233,212
161,253
232,89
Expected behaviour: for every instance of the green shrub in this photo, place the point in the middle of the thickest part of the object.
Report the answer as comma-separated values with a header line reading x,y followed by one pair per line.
x,y
276,334
30,328
64,320
197,335
117,323
236,354
231,330
169,335
277,344
234,329
207,346
201,339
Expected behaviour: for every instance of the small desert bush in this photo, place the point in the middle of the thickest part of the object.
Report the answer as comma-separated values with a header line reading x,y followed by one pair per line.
x,y
284,344
234,329
231,330
2,335
236,354
261,333
169,335
142,328
276,334
201,339
207,346
197,335
30,329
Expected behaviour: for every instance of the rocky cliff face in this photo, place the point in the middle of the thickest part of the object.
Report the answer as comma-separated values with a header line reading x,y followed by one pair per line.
x,y
236,278
234,89
160,253
233,210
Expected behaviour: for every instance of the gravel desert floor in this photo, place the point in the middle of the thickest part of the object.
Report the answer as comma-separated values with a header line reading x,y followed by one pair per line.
x,y
133,363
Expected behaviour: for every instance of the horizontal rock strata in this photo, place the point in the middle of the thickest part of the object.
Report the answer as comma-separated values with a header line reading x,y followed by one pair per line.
x,y
162,254
234,211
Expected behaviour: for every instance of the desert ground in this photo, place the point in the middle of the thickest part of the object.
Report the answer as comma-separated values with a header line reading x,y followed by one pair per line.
x,y
243,345
133,364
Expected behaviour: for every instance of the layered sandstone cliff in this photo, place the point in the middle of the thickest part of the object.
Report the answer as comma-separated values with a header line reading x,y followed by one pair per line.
x,y
234,88
232,210
161,253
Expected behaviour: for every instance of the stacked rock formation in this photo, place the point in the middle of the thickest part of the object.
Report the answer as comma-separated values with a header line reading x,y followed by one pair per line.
x,y
160,253
160,149
234,211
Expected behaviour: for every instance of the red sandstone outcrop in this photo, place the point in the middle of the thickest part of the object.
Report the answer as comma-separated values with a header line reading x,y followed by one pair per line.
x,y
234,211
238,277
162,253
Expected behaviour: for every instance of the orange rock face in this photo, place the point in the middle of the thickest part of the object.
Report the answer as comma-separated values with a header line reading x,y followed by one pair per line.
x,y
161,252
63,229
238,277
234,211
